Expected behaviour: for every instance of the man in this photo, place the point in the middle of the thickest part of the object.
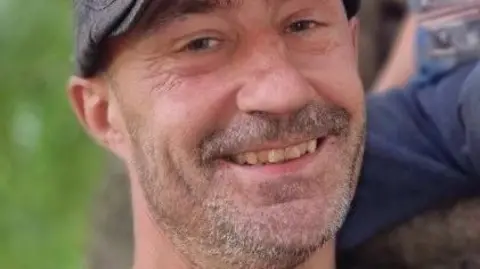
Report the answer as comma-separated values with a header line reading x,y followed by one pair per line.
x,y
241,124
265,182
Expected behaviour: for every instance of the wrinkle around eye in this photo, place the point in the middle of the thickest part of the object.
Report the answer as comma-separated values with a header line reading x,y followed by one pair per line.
x,y
313,45
166,83
161,82
158,72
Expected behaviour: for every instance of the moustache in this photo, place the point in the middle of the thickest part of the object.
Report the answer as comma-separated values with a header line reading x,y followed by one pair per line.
x,y
312,121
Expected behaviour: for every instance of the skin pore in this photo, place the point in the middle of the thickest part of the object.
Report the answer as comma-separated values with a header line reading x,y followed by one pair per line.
x,y
193,97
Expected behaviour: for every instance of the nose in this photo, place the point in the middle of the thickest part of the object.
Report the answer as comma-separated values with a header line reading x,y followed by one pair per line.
x,y
273,85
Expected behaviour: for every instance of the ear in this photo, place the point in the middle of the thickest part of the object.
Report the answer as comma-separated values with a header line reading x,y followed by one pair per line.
x,y
99,113
354,25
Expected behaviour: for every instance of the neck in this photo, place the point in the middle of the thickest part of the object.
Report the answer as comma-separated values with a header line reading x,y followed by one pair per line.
x,y
154,250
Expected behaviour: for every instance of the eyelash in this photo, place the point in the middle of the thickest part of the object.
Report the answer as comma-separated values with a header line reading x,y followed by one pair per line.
x,y
311,24
291,28
190,46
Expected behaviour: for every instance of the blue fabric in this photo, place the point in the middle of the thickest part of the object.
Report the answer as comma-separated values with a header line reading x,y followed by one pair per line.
x,y
428,67
422,149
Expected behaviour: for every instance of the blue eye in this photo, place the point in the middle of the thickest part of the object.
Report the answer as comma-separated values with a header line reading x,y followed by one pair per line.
x,y
301,25
201,44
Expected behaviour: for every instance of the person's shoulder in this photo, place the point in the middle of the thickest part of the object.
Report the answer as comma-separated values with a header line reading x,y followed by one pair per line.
x,y
435,120
473,79
470,90
440,90
464,74
477,66
469,111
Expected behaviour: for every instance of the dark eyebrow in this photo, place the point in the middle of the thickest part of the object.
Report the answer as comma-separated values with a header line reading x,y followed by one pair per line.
x,y
160,13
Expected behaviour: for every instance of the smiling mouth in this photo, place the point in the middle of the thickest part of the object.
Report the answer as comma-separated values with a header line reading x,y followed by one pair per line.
x,y
277,156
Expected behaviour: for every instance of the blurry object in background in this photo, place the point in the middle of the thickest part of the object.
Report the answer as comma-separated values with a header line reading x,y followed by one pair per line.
x,y
48,167
391,17
459,38
442,239
449,31
432,40
380,21
447,238
400,64
111,244
427,6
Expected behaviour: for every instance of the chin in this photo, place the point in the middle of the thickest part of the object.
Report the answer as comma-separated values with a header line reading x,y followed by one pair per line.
x,y
305,223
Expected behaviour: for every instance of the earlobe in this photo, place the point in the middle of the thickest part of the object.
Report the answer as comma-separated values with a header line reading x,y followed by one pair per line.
x,y
91,103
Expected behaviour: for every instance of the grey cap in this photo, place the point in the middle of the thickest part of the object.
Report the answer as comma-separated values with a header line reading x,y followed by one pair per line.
x,y
99,20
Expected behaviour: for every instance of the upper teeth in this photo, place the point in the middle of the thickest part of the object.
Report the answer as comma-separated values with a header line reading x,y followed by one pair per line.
x,y
276,155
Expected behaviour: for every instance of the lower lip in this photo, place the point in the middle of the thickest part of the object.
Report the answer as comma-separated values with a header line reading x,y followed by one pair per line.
x,y
285,168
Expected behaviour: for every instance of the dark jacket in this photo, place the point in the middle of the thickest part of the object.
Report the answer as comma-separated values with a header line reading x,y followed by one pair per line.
x,y
422,149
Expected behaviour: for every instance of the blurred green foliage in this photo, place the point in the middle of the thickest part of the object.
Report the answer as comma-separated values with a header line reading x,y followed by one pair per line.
x,y
47,165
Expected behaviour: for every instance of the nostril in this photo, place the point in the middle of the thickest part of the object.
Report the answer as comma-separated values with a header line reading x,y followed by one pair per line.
x,y
259,114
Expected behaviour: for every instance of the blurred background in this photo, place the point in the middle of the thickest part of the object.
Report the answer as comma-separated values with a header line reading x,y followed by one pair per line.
x,y
63,201
48,168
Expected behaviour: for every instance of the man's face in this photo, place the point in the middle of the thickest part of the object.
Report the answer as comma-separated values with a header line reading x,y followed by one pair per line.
x,y
245,122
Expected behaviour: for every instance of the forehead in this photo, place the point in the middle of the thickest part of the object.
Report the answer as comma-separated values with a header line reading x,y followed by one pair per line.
x,y
163,11
199,6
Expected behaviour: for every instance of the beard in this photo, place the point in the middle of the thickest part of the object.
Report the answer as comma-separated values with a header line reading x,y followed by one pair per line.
x,y
211,219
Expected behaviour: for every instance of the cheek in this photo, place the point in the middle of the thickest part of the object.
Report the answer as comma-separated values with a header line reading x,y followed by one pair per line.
x,y
335,78
347,92
176,111
195,108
